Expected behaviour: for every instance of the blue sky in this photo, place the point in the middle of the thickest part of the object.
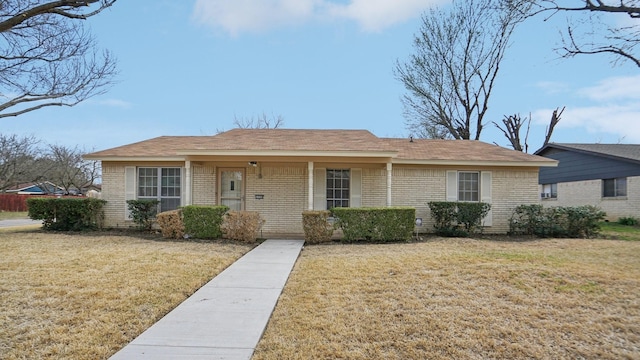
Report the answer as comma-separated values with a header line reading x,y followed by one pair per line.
x,y
191,67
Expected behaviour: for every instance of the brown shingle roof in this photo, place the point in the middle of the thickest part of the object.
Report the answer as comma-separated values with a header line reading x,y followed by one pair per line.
x,y
295,140
457,150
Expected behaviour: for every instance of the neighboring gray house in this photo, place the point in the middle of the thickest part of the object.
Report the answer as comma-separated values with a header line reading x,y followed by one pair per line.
x,y
604,175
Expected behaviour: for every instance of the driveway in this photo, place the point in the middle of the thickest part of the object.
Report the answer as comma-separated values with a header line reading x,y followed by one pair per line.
x,y
19,222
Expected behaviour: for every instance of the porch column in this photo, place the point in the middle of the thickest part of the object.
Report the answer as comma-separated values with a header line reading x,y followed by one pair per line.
x,y
310,191
389,176
187,182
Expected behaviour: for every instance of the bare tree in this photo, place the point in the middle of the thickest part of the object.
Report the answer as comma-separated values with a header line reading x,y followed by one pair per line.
x,y
259,122
511,130
46,56
450,77
69,170
555,118
592,34
17,158
512,127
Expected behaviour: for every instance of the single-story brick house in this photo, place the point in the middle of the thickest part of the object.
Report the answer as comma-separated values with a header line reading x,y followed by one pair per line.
x,y
282,172
603,175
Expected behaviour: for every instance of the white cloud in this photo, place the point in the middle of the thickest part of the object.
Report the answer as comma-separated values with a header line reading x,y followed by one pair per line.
x,y
375,15
612,108
238,16
614,88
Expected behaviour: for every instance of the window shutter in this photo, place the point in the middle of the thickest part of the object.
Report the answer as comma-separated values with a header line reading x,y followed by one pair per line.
x,y
129,188
320,189
356,188
485,195
452,185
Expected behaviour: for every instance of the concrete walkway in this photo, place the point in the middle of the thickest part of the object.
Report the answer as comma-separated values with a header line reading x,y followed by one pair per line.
x,y
225,318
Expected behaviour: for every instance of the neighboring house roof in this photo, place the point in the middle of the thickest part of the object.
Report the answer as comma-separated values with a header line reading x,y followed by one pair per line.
x,y
337,143
628,152
578,162
34,188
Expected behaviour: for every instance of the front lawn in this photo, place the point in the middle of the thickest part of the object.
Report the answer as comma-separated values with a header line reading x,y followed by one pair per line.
x,y
460,299
623,232
86,296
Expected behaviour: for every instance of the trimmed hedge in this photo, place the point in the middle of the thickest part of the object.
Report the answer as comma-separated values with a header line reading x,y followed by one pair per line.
x,y
203,222
317,228
171,224
67,214
558,222
376,224
453,218
242,225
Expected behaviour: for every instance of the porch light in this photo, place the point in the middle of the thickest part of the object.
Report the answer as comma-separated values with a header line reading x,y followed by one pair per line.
x,y
253,163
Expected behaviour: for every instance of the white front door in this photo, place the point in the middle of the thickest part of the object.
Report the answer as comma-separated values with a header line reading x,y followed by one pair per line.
x,y
231,188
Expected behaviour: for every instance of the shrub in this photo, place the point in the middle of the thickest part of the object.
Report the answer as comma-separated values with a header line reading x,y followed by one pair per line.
x,y
203,222
242,225
67,214
316,226
376,224
171,224
558,222
458,218
628,221
525,219
143,212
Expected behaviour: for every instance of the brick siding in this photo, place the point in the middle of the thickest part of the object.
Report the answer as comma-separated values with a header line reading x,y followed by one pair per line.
x,y
589,192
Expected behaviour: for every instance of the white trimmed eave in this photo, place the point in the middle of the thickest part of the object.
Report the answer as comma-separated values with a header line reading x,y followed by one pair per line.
x,y
477,163
290,153
136,158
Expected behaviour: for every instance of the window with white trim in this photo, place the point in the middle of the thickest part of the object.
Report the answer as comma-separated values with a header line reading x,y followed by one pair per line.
x,y
614,187
162,184
338,188
549,191
468,186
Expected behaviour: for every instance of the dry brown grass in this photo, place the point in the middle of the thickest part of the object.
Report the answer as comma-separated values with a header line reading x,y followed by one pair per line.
x,y
460,299
86,296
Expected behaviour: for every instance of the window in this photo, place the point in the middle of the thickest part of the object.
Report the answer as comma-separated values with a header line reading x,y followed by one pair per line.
x,y
549,191
161,184
337,188
468,186
614,187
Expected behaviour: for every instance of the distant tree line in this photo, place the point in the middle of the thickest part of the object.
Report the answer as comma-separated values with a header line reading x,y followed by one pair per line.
x,y
25,160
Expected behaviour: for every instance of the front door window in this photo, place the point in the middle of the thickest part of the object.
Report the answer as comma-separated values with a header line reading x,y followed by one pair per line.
x,y
232,189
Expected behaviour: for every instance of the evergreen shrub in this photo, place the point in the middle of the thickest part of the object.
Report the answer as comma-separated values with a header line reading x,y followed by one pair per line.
x,y
375,224
203,222
67,214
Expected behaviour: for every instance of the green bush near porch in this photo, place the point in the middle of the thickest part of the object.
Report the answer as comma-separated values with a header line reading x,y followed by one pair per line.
x,y
203,222
376,224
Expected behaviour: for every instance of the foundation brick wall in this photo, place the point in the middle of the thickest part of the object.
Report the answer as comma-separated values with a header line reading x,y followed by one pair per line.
x,y
510,189
285,191
203,185
589,192
113,192
417,187
374,187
